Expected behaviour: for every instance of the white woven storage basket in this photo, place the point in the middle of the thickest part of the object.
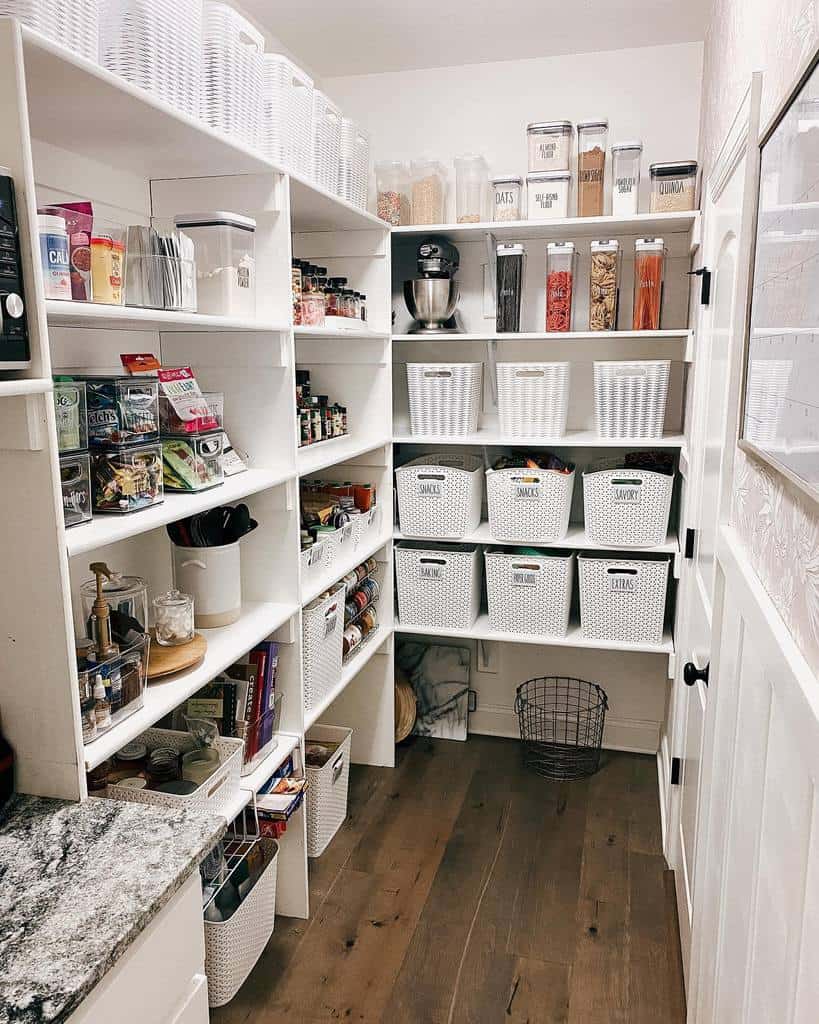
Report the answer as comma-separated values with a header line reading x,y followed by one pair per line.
x,y
338,543
72,23
232,947
627,507
233,73
529,504
440,495
630,398
156,45
438,586
354,163
529,593
622,599
215,794
287,122
326,141
322,633
327,789
366,526
312,560
444,398
533,399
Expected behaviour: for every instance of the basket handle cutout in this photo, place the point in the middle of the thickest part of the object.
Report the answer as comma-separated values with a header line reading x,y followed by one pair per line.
x,y
533,566
527,479
623,482
331,611
636,372
217,786
432,561
530,373
622,572
431,476
431,374
338,767
248,41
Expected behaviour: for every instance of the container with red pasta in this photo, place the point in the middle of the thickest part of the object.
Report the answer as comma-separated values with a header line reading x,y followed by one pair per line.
x,y
649,264
561,259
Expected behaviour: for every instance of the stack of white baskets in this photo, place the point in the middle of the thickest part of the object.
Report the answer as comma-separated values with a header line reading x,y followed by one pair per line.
x,y
233,73
287,128
73,23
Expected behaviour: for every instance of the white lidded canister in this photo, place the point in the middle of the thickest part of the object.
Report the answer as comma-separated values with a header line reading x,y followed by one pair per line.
x,y
548,194
225,249
213,578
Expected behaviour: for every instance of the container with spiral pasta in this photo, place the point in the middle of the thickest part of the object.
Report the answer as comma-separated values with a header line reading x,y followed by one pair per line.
x,y
649,261
604,285
560,271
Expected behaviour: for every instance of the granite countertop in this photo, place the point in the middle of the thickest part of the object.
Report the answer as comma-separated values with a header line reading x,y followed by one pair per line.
x,y
78,883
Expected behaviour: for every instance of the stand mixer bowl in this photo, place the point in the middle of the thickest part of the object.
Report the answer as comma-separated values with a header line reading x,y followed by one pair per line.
x,y
431,300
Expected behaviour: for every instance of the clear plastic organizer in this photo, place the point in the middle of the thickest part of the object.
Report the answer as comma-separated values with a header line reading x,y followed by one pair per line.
x,y
438,585
623,599
529,594
128,478
192,463
533,399
260,736
529,504
630,398
75,484
440,496
627,507
327,787
444,398
322,636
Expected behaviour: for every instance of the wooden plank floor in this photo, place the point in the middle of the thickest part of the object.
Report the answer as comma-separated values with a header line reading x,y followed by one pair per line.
x,y
463,890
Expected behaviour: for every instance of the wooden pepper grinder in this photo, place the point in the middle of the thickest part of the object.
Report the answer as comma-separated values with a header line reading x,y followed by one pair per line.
x,y
101,615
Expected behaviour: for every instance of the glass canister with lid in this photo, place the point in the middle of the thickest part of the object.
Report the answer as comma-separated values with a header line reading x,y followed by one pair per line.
x,y
393,183
625,178
173,615
507,193
591,167
428,191
550,145
673,186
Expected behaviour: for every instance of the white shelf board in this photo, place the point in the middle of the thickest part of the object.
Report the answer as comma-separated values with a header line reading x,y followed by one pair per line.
x,y
574,638
348,674
571,439
313,458
25,386
132,318
683,334
301,331
225,646
253,782
236,805
315,209
110,528
313,588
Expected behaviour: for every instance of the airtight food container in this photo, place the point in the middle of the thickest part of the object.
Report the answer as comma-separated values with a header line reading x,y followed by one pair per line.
x,y
550,145
506,198
225,251
548,194
625,178
673,186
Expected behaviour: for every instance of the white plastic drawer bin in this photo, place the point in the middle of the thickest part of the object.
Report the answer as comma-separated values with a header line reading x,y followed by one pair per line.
x,y
529,504
438,586
533,399
444,398
623,599
322,633
529,593
627,507
630,398
440,496
327,788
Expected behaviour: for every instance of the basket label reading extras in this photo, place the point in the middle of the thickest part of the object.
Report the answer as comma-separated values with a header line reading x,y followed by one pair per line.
x,y
330,623
626,492
524,578
623,584
526,491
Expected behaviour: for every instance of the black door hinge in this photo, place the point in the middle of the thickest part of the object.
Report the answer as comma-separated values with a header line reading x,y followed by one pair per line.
x,y
675,771
690,538
705,284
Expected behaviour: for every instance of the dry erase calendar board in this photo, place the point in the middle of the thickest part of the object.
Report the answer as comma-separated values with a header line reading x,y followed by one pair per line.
x,y
781,407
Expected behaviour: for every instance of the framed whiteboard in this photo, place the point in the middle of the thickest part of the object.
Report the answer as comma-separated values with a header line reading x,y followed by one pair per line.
x,y
780,414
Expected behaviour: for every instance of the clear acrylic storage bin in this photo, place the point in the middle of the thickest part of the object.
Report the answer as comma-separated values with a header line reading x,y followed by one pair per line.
x,y
225,249
171,425
192,463
127,479
160,282
124,677
75,483
471,185
428,191
121,410
71,415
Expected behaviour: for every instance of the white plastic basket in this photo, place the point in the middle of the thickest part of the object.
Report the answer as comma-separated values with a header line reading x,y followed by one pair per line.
x,y
215,794
156,45
440,495
312,560
533,399
366,526
233,73
354,163
529,504
622,599
72,23
529,593
327,789
322,634
630,398
287,123
338,543
438,586
627,507
326,141
444,398
232,947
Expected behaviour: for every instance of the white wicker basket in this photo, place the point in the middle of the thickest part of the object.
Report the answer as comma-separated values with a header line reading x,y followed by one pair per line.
x,y
233,73
232,947
438,586
533,399
529,504
326,141
630,398
444,398
338,543
622,599
627,507
440,496
287,123
327,789
312,560
72,23
215,794
366,526
322,634
529,593
156,45
354,163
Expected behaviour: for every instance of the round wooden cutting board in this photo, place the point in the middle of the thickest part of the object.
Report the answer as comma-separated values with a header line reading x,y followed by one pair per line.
x,y
164,661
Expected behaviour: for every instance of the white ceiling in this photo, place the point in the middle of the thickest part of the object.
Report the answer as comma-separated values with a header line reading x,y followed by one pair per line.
x,y
355,37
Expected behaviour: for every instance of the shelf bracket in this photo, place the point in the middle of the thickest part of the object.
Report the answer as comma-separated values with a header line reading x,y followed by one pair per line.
x,y
488,657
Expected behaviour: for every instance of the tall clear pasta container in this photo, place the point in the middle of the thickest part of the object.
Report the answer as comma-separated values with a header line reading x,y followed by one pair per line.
x,y
649,267
392,179
604,285
471,185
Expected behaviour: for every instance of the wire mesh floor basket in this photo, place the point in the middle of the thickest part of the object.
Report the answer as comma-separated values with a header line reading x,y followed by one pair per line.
x,y
561,726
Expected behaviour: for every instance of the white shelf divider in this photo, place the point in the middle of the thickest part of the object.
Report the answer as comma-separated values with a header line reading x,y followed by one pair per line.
x,y
348,673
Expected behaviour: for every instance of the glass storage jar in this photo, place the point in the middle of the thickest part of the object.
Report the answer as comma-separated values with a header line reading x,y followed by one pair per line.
x,y
173,618
547,194
471,182
625,178
428,191
506,197
649,265
591,167
561,258
604,276
550,145
126,595
673,186
393,184
225,249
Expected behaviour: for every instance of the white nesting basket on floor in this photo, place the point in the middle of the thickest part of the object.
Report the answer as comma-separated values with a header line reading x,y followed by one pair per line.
x,y
533,399
326,141
627,507
327,788
622,600
529,594
354,163
72,23
630,398
233,73
322,634
444,398
440,496
529,504
438,586
287,122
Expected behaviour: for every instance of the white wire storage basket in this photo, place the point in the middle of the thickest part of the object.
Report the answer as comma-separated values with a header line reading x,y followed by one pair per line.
x,y
287,122
354,163
322,634
439,496
627,507
233,73
73,23
326,141
630,398
327,788
233,946
622,599
157,46
529,504
438,586
444,398
533,399
529,594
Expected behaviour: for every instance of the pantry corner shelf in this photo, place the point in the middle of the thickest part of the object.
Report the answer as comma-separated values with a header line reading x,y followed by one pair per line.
x,y
348,674
681,334
253,782
314,458
313,208
235,806
134,318
312,588
341,335
21,386
489,437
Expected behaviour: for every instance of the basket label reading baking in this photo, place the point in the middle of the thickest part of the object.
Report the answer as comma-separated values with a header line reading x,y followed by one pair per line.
x,y
623,584
429,571
525,491
524,578
430,488
625,493
330,624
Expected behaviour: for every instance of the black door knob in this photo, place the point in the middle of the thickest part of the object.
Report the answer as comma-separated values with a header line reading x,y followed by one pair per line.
x,y
692,674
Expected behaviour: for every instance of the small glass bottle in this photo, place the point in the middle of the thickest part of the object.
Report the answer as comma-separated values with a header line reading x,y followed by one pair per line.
x,y
649,265
625,178
560,261
591,167
102,706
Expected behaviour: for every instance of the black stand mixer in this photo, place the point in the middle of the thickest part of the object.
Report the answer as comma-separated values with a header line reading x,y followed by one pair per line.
x,y
432,297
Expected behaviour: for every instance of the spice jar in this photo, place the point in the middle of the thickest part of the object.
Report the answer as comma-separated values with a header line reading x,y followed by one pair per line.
x,y
604,285
173,615
506,196
548,194
393,183
510,260
560,263
550,144
673,186
428,190
625,178
591,167
471,181
649,260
